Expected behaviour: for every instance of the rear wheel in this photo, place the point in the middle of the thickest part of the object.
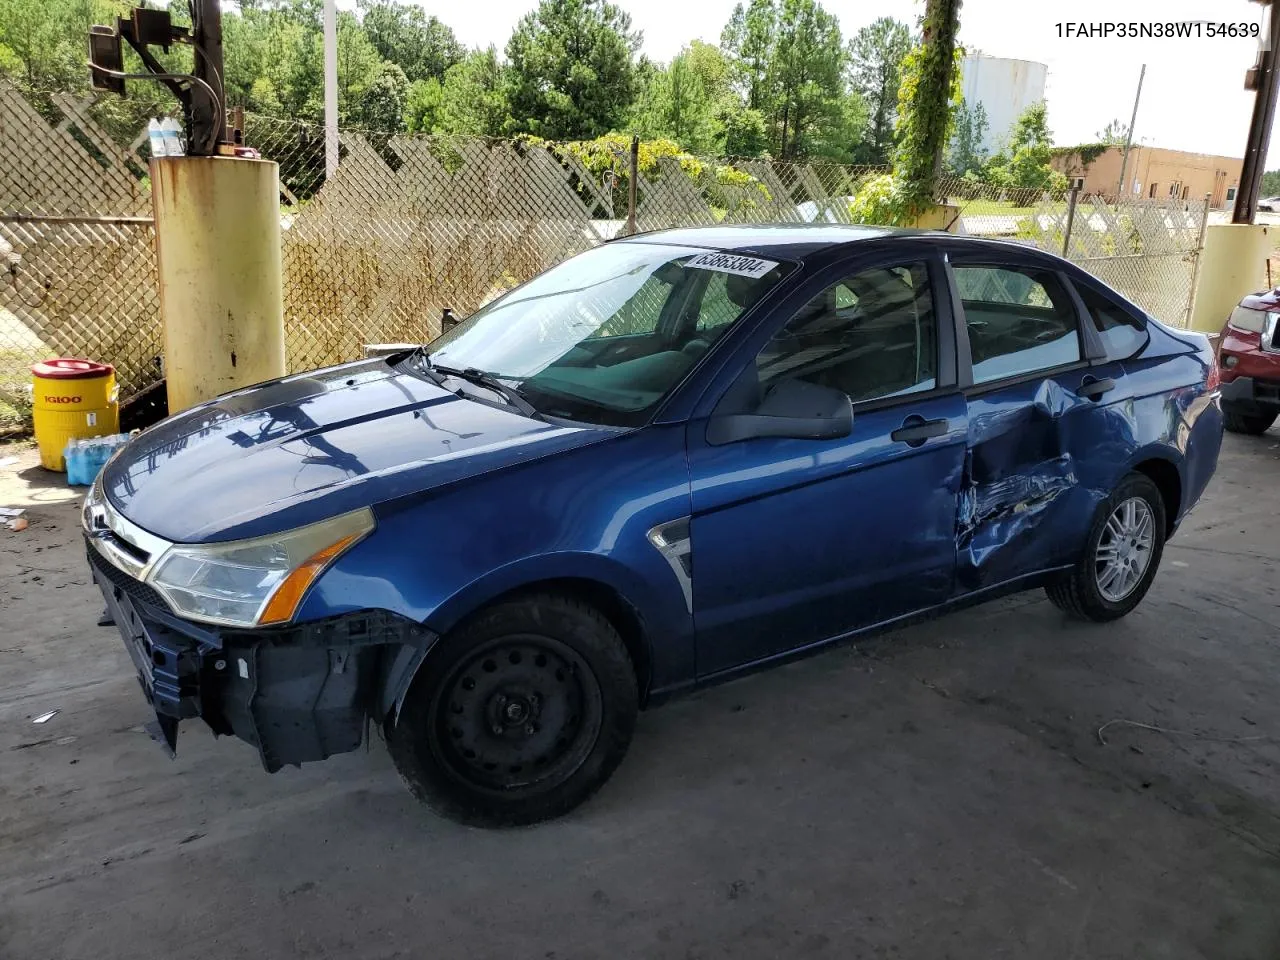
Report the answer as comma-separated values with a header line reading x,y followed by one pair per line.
x,y
1250,423
519,715
1121,555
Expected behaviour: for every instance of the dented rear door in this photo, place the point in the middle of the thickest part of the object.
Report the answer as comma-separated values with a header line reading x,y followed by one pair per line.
x,y
1038,429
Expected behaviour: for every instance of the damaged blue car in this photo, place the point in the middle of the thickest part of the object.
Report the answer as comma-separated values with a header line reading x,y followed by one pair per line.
x,y
667,460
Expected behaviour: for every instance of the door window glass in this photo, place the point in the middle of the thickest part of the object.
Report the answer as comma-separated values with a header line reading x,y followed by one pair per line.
x,y
871,335
1019,321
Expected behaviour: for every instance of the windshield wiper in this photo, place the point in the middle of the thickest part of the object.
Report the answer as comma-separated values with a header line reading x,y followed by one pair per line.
x,y
489,382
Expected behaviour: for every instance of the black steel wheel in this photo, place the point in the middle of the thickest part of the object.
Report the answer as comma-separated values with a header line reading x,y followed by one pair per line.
x,y
519,715
524,709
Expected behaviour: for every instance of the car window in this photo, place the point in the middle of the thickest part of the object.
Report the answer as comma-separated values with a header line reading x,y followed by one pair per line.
x,y
604,336
1123,333
871,335
717,310
1019,321
642,310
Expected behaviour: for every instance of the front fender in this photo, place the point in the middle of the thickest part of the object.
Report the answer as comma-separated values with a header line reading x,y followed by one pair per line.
x,y
583,515
660,617
529,572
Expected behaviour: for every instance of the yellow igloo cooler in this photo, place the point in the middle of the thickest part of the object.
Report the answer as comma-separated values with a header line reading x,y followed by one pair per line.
x,y
72,400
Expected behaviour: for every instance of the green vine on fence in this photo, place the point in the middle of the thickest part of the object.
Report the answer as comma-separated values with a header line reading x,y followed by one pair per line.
x,y
1085,154
607,160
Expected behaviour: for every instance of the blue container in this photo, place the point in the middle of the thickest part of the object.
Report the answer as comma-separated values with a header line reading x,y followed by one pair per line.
x,y
86,457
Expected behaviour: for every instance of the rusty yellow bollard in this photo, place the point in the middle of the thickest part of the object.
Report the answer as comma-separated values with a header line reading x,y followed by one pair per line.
x,y
1233,263
217,222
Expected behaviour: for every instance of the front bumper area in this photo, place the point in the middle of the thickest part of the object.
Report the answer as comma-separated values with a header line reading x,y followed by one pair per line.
x,y
297,694
1251,394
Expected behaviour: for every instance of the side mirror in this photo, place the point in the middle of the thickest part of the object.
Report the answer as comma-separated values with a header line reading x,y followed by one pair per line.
x,y
792,408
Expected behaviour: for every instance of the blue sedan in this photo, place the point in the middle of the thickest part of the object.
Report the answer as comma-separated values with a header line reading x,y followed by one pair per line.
x,y
663,462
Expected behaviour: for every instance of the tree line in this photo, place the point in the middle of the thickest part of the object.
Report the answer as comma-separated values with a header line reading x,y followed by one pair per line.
x,y
782,82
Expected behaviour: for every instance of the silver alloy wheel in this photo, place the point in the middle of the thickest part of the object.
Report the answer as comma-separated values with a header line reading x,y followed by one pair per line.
x,y
1124,549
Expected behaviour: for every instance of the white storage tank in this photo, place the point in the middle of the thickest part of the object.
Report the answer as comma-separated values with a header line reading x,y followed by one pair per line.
x,y
1005,88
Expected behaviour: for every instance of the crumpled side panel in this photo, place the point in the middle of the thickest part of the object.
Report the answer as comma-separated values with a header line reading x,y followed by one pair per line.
x,y
1016,469
995,515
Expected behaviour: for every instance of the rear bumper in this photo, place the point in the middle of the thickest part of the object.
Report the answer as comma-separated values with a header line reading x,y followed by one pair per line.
x,y
1252,393
296,694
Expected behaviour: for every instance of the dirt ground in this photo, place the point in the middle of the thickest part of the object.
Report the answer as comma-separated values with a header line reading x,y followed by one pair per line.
x,y
936,792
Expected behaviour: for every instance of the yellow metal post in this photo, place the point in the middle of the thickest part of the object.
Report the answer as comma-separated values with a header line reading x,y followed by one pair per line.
x,y
942,216
217,222
1233,263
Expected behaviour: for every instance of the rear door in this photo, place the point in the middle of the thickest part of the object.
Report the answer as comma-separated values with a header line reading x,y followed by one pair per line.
x,y
1039,385
796,541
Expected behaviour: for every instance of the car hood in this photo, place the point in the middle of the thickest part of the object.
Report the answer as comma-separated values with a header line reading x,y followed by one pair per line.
x,y
296,450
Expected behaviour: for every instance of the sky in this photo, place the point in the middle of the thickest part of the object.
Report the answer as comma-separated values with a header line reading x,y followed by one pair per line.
x,y
1193,97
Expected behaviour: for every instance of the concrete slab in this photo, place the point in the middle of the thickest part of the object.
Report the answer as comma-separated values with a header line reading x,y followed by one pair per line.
x,y
935,792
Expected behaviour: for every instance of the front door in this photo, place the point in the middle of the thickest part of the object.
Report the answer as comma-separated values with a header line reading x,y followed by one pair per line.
x,y
798,541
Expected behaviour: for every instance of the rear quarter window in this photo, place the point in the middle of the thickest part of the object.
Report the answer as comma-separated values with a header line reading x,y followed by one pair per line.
x,y
1123,333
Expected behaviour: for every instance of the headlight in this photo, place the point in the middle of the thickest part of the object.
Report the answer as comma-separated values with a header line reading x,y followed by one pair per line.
x,y
1244,318
247,583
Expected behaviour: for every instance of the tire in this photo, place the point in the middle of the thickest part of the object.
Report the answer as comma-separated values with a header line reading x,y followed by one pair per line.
x,y
1250,423
1080,592
519,715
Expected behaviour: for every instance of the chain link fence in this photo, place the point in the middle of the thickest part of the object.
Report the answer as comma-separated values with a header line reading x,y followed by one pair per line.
x,y
410,225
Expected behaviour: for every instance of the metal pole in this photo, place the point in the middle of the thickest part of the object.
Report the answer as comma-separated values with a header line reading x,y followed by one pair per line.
x,y
208,116
1195,263
1263,78
633,173
1128,137
1071,219
330,89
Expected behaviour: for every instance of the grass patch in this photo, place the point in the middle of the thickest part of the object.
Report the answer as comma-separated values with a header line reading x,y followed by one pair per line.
x,y
992,208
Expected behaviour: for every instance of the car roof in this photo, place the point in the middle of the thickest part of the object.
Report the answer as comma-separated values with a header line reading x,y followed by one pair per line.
x,y
786,240
816,244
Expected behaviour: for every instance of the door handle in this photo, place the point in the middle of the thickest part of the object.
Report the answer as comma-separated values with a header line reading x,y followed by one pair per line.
x,y
915,430
1092,388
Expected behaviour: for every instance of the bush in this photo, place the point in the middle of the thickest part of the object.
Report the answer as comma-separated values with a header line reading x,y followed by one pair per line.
x,y
877,201
727,189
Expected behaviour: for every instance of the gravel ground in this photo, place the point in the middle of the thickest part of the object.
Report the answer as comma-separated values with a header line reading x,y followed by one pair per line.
x,y
939,791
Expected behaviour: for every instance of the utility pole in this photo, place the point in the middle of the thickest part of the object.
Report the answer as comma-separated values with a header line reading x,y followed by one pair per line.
x,y
1128,138
330,89
942,25
216,216
201,92
1262,77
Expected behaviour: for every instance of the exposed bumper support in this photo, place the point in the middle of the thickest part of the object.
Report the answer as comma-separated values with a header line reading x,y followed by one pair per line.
x,y
297,694
1251,394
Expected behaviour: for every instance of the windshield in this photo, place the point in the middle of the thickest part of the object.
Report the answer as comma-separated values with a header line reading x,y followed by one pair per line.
x,y
606,335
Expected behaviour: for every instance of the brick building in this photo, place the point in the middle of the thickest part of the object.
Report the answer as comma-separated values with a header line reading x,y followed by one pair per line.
x,y
1152,173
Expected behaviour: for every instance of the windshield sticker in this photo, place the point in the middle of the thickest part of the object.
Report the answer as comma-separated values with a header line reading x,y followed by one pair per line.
x,y
752,267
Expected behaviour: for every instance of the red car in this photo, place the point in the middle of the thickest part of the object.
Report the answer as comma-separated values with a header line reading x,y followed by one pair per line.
x,y
1249,358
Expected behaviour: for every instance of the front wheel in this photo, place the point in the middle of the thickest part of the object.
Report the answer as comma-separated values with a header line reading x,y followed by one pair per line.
x,y
1121,555
519,715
